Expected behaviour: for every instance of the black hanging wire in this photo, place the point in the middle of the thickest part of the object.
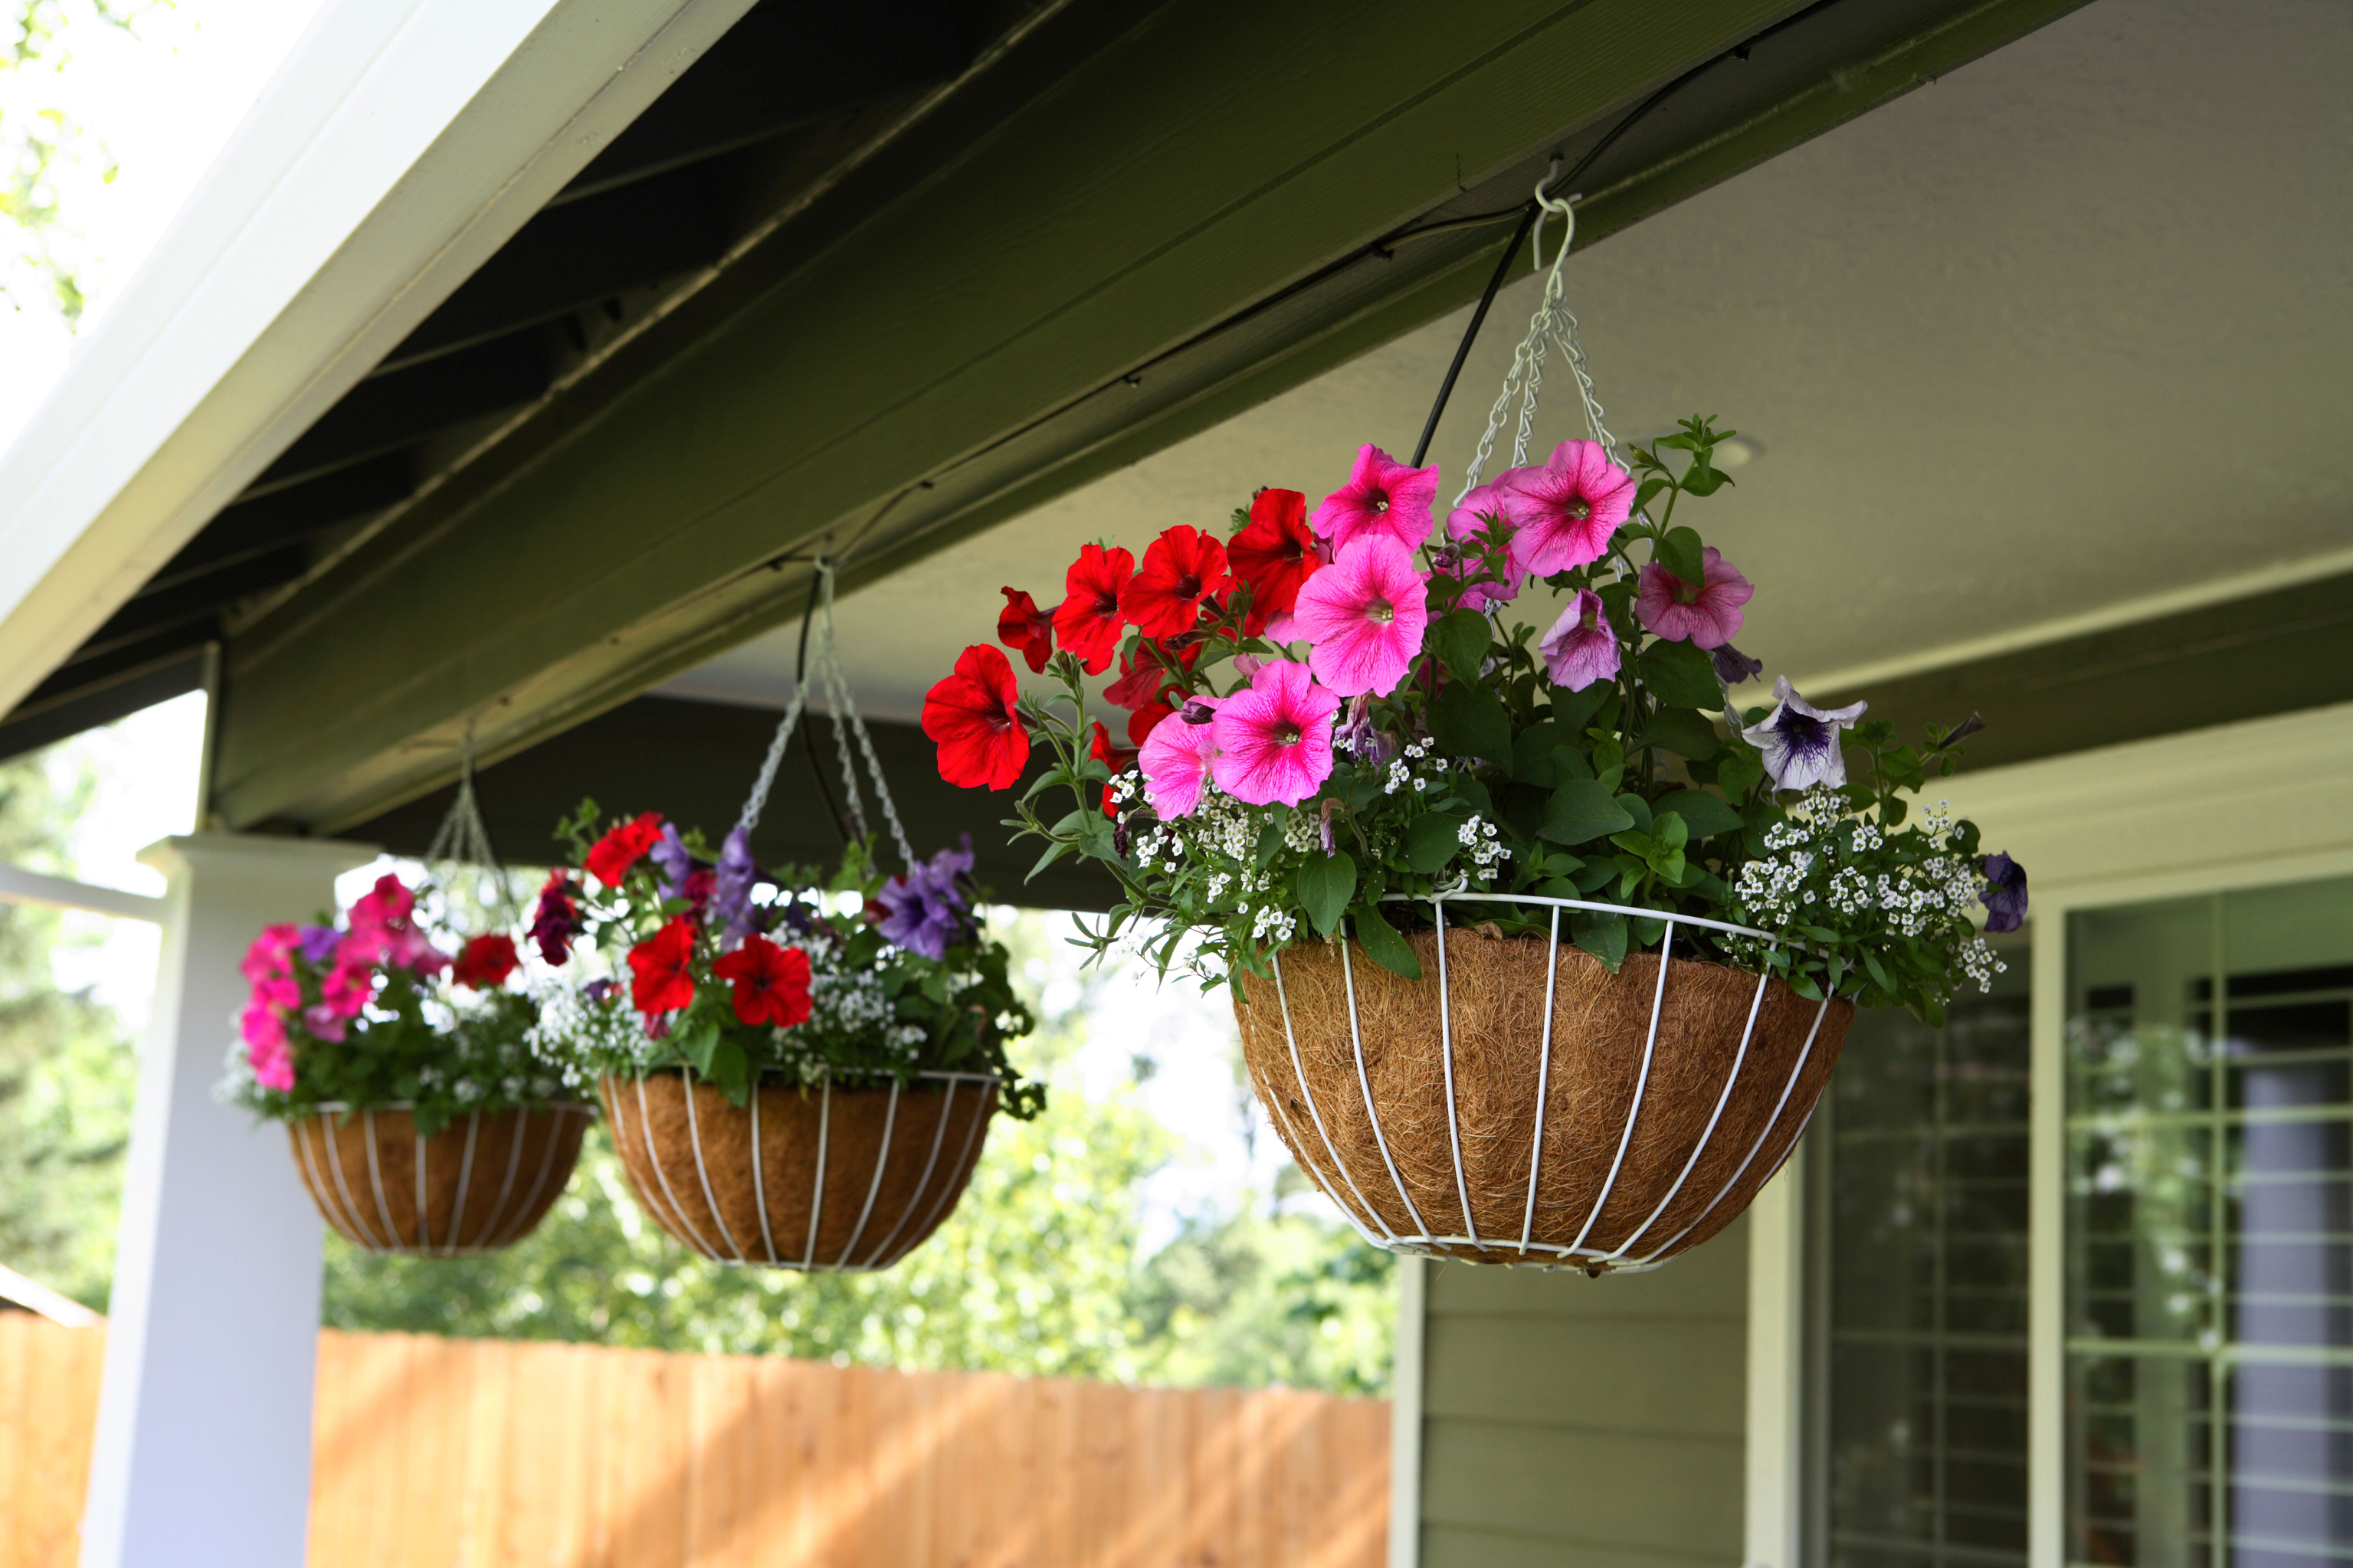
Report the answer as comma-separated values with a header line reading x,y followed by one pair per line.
x,y
808,727
1471,334
1528,215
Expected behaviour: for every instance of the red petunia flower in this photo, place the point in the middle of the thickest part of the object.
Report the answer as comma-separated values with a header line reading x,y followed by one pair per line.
x,y
1022,624
661,976
1143,672
484,964
772,982
1181,568
982,741
623,845
1087,622
1273,554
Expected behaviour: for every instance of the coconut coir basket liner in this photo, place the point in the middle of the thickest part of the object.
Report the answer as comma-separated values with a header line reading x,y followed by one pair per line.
x,y
1495,989
892,1171
479,1184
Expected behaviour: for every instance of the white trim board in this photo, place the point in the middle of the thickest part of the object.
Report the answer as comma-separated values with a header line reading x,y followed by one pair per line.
x,y
19,886
399,146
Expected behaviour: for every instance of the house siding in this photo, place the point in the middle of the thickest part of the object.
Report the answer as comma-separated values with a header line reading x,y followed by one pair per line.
x,y
1593,1423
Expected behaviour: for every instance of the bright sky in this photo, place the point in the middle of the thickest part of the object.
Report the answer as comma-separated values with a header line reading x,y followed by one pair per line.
x,y
165,101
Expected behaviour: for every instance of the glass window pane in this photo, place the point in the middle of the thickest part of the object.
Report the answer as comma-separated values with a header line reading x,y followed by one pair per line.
x,y
2209,1244
1925,1138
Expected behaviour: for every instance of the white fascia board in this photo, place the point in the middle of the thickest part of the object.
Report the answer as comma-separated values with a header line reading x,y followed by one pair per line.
x,y
400,145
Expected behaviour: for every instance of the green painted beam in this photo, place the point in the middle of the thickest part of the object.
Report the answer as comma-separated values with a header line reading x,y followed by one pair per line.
x,y
1112,265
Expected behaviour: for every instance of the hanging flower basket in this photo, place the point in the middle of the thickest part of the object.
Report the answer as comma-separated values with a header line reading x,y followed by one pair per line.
x,y
839,1177
1602,1120
479,1183
1544,943
800,1068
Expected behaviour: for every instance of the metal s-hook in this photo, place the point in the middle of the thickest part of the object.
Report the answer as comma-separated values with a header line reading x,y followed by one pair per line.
x,y
1565,207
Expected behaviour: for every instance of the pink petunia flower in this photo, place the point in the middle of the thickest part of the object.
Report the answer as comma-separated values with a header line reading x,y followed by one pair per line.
x,y
1382,496
1708,614
1565,511
1176,756
1581,648
1363,617
347,989
1469,520
1274,741
271,954
324,1022
273,1065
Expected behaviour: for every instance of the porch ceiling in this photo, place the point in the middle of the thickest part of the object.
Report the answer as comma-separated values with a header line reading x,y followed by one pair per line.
x,y
2047,362
1110,229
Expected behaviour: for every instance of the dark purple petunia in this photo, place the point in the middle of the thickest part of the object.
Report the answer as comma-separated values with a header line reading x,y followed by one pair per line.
x,y
924,911
2005,893
556,920
1733,667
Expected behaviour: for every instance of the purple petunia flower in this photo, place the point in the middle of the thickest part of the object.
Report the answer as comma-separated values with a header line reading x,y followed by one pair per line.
x,y
317,943
1734,667
924,910
1800,742
670,853
2005,893
731,895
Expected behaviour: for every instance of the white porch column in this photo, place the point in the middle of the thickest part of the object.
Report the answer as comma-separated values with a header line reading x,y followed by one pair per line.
x,y
203,1453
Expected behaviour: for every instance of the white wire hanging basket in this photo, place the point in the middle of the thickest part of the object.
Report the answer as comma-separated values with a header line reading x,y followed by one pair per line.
x,y
1521,1105
479,1184
1551,1114
846,1174
818,1178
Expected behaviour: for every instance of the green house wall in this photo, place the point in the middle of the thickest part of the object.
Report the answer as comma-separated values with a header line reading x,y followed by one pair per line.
x,y
1593,1423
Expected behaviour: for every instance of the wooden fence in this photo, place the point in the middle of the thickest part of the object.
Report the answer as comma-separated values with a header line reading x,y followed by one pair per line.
x,y
434,1453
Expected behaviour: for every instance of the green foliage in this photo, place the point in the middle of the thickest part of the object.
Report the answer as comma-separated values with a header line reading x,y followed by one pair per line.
x,y
67,1073
1477,773
866,1005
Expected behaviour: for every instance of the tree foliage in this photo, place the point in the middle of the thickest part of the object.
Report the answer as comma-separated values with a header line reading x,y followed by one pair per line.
x,y
67,1073
39,259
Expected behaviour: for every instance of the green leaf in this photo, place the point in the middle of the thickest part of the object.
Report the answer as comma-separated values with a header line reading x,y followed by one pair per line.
x,y
1431,842
1648,493
1703,481
1704,814
1635,806
1325,885
1469,721
1668,831
1573,709
1270,845
1602,935
1682,731
697,1042
1383,945
1679,551
1680,675
1053,852
1532,750
1737,772
731,1069
1460,641
1581,811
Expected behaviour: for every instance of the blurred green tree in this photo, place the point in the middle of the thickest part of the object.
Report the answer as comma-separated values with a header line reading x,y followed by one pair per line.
x,y
66,1071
